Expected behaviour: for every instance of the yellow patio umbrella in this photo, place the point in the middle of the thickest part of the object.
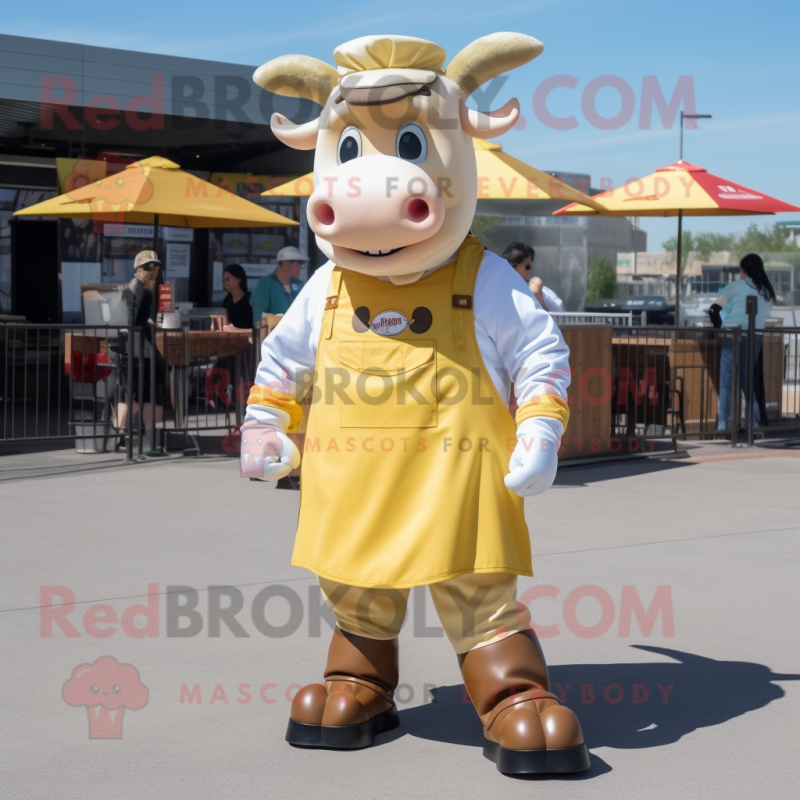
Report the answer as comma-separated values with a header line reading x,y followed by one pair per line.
x,y
503,177
157,191
297,187
678,190
152,192
500,177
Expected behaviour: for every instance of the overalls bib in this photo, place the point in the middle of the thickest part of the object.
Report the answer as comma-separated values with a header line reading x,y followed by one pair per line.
x,y
408,441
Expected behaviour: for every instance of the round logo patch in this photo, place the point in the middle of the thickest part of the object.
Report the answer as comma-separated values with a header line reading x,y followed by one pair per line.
x,y
389,323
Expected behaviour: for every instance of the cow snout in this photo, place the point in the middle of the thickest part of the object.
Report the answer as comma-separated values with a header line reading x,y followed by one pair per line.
x,y
324,213
417,210
375,203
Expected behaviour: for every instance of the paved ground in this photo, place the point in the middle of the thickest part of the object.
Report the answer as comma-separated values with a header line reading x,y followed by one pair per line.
x,y
708,710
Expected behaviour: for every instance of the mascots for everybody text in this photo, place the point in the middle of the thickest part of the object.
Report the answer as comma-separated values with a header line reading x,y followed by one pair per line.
x,y
411,335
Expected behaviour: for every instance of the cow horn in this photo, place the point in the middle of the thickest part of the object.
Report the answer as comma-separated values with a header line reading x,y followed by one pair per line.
x,y
298,76
490,56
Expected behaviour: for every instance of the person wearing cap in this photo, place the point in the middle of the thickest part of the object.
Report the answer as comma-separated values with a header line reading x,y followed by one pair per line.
x,y
139,294
274,293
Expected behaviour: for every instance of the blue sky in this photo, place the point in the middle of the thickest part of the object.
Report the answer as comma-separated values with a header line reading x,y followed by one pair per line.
x,y
742,59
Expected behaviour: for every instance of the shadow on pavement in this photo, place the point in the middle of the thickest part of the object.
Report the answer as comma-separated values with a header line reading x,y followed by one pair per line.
x,y
624,706
586,474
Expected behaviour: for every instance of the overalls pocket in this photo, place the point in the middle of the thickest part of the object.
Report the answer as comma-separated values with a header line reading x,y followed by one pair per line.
x,y
388,384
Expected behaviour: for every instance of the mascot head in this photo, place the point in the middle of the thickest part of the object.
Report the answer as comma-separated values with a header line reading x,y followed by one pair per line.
x,y
394,170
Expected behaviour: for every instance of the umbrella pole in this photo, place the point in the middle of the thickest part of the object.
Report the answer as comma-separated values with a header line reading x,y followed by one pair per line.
x,y
678,275
155,449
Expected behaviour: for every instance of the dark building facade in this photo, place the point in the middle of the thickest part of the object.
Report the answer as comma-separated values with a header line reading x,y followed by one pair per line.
x,y
67,109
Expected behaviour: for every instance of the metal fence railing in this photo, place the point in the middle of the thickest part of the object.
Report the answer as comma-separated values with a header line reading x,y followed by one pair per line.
x,y
695,383
62,382
593,318
209,375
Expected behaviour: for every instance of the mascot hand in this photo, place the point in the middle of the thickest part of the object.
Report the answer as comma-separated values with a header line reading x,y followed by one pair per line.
x,y
533,464
267,452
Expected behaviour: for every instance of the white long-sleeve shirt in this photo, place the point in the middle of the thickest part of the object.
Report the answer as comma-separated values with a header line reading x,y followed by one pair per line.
x,y
518,340
554,303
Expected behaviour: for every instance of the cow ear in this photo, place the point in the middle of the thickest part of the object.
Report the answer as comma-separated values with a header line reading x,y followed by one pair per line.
x,y
298,76
298,137
490,56
488,124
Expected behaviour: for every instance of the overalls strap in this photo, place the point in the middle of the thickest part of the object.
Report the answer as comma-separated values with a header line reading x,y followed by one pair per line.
x,y
331,302
470,256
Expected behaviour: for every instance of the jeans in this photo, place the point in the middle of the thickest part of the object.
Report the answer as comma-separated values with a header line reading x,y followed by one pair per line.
x,y
726,379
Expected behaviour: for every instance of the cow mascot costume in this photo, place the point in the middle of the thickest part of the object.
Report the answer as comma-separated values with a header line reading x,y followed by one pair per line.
x,y
409,337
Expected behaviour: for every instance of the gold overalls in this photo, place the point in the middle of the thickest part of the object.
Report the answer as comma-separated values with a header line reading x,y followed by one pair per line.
x,y
408,441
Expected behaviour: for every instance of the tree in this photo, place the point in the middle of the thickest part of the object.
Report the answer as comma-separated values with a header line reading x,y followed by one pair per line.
x,y
707,243
769,239
601,279
687,245
483,227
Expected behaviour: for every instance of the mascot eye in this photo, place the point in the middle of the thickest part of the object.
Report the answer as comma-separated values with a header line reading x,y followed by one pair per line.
x,y
116,688
349,145
95,689
411,144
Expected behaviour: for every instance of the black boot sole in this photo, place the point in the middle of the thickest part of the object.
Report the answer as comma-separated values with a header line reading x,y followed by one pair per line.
x,y
537,762
344,737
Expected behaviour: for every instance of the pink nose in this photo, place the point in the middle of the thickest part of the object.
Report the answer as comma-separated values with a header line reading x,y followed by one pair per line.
x,y
324,213
376,203
418,210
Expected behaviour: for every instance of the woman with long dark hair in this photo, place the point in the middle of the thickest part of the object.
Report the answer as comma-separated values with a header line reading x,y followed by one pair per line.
x,y
237,299
730,310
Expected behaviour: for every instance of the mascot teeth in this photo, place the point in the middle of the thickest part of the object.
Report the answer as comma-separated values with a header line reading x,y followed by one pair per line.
x,y
379,252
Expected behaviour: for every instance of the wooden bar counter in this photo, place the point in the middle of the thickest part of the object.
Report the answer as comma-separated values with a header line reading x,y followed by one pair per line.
x,y
589,429
179,347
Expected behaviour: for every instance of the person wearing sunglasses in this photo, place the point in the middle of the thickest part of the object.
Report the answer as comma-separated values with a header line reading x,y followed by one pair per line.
x,y
146,267
521,256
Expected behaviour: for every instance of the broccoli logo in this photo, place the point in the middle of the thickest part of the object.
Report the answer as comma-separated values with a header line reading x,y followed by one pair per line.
x,y
122,189
109,194
259,445
106,688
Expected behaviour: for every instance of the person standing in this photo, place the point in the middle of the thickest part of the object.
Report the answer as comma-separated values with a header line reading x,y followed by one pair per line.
x,y
274,293
521,257
730,310
139,294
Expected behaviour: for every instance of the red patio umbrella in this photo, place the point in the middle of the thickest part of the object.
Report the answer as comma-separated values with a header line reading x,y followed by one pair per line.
x,y
678,190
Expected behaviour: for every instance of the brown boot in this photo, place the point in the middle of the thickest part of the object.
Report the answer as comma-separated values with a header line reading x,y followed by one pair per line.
x,y
526,728
355,703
